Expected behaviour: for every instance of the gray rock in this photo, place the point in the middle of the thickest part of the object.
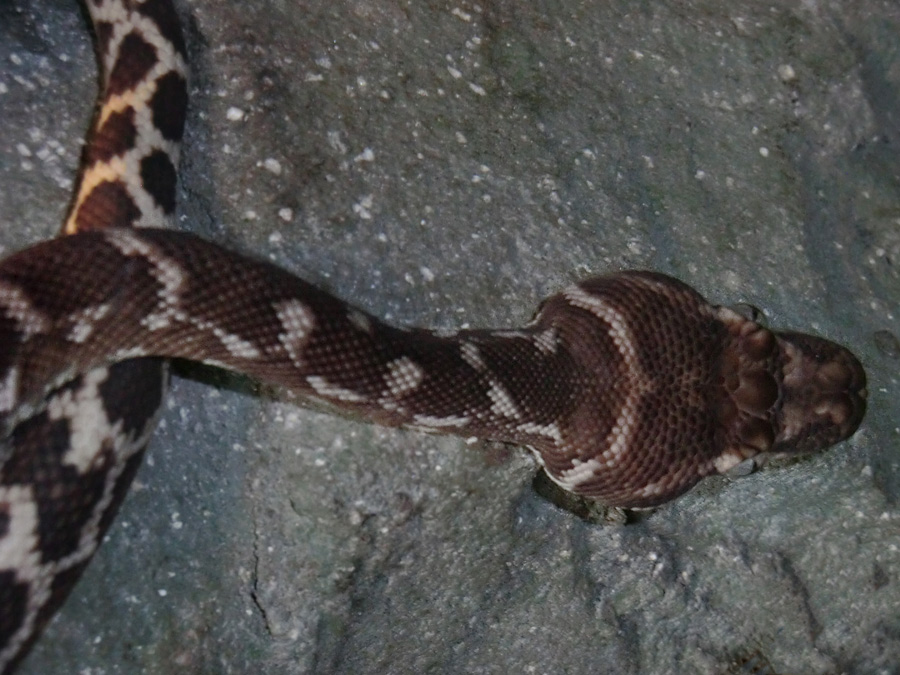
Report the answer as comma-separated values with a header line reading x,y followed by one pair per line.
x,y
451,165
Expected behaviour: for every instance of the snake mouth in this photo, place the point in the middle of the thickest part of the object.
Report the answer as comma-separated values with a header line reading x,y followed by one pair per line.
x,y
823,397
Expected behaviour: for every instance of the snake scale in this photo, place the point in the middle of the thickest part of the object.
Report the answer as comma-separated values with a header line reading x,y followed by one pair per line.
x,y
627,388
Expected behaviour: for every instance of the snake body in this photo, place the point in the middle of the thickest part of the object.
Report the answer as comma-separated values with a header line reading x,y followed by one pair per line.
x,y
627,388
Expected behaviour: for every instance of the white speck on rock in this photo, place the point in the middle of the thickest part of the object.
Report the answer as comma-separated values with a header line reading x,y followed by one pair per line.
x,y
457,12
367,155
363,206
786,73
334,140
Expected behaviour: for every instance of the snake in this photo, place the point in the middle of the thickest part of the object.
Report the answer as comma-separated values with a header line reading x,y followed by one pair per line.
x,y
627,388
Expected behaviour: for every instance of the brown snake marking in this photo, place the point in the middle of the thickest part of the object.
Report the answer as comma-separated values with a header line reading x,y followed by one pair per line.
x,y
627,388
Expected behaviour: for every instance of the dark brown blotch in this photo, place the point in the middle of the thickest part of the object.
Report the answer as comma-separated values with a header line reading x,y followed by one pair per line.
x,y
168,106
131,393
113,139
136,58
15,596
107,205
123,482
159,178
104,32
166,19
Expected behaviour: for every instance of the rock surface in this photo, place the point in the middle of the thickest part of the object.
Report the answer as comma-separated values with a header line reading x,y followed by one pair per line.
x,y
451,164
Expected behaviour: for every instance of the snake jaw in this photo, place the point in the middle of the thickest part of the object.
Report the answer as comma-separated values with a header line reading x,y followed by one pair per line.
x,y
784,393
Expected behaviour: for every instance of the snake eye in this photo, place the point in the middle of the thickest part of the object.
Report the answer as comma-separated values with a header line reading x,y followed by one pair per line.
x,y
750,312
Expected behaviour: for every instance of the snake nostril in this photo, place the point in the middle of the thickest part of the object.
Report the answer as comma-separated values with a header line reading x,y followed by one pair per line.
x,y
844,410
838,408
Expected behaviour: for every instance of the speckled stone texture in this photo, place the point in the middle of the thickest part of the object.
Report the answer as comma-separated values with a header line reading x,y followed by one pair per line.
x,y
449,165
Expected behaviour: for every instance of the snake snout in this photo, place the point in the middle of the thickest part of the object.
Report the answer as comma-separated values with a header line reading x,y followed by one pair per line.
x,y
823,393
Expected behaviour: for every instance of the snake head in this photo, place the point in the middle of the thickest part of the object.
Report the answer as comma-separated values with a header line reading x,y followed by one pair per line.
x,y
823,390
673,389
785,393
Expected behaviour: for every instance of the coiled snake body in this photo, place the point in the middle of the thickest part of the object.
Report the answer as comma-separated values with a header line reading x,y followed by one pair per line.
x,y
628,388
